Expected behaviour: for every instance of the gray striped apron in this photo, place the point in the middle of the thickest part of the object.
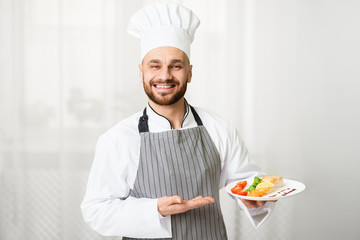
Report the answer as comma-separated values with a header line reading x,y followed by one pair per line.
x,y
185,163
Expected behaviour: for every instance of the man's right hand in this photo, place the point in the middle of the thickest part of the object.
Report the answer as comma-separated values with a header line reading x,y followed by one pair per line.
x,y
175,204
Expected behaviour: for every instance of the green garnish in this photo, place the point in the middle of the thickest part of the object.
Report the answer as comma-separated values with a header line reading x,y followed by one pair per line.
x,y
253,186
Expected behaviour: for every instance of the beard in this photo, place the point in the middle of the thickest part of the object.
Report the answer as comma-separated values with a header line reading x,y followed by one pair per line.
x,y
164,99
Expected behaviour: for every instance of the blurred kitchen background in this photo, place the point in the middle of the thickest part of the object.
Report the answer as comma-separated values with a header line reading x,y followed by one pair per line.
x,y
286,73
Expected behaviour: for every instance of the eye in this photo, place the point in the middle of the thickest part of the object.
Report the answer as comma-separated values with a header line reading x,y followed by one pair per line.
x,y
155,66
177,66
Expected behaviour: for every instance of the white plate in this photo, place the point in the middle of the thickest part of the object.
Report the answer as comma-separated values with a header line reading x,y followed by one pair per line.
x,y
290,189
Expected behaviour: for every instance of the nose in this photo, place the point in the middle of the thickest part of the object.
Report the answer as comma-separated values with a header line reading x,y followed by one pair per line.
x,y
165,74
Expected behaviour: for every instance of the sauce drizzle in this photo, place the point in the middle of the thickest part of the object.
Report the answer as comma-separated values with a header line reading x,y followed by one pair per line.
x,y
283,192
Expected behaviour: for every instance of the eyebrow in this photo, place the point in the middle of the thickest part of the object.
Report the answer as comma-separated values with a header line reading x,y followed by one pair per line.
x,y
172,61
177,61
153,61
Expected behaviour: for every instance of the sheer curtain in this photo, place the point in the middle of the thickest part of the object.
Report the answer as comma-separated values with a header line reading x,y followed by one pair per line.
x,y
69,71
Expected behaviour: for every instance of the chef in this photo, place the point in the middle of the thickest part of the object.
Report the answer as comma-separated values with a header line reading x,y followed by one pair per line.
x,y
157,174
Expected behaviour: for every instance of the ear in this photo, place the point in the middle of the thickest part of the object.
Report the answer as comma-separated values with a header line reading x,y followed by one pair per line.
x,y
140,72
189,74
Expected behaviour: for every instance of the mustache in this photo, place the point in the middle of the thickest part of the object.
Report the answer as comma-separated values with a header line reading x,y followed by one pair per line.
x,y
170,81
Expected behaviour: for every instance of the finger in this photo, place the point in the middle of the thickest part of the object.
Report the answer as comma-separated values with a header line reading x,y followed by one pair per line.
x,y
198,202
248,204
206,198
165,204
260,203
177,199
190,204
253,203
173,199
210,199
172,206
198,197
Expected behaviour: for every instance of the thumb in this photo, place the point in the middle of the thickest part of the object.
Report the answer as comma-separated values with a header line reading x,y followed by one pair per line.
x,y
175,199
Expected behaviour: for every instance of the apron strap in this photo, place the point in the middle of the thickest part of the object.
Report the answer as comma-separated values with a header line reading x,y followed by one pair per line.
x,y
196,116
143,121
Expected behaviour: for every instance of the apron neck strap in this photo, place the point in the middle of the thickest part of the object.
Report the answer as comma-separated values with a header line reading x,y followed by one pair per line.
x,y
143,121
196,116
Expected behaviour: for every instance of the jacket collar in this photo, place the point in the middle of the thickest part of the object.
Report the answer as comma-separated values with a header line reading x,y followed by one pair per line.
x,y
159,123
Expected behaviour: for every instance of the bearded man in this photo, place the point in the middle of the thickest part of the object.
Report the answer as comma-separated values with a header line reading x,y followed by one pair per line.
x,y
157,173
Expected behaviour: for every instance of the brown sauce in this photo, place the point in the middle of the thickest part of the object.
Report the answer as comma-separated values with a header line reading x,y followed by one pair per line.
x,y
283,192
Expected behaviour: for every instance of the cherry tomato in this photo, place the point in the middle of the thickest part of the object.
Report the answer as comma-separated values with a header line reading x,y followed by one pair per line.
x,y
239,188
242,184
243,193
239,191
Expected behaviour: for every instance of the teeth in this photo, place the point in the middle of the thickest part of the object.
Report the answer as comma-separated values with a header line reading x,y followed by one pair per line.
x,y
163,86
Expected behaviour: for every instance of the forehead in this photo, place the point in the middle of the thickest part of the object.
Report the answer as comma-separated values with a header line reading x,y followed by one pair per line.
x,y
165,54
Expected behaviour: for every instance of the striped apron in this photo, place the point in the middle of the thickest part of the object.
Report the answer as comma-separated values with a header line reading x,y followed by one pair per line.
x,y
185,163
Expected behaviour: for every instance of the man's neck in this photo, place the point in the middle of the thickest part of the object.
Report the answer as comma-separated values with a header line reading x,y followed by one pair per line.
x,y
174,113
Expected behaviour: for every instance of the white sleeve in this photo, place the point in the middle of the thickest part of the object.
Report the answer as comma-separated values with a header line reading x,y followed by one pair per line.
x,y
236,164
107,206
257,215
237,167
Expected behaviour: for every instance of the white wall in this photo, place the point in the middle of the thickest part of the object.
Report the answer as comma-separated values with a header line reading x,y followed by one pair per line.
x,y
305,110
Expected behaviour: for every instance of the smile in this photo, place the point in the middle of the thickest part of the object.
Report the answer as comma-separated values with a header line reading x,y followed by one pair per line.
x,y
164,86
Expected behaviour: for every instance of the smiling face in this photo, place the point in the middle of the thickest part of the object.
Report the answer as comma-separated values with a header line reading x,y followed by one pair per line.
x,y
165,72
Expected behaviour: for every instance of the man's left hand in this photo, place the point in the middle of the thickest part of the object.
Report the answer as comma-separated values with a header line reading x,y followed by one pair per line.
x,y
253,204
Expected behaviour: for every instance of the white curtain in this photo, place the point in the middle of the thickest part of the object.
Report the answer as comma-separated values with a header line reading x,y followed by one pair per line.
x,y
285,73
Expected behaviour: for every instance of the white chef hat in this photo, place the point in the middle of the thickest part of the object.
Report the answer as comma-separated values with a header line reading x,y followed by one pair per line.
x,y
164,24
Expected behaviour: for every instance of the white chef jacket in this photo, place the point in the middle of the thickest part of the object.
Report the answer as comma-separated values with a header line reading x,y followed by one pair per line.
x,y
108,207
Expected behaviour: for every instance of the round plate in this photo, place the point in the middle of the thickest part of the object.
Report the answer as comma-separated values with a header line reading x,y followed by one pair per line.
x,y
290,189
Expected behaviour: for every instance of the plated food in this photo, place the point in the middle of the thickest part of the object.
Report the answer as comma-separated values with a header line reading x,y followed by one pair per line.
x,y
265,188
267,184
